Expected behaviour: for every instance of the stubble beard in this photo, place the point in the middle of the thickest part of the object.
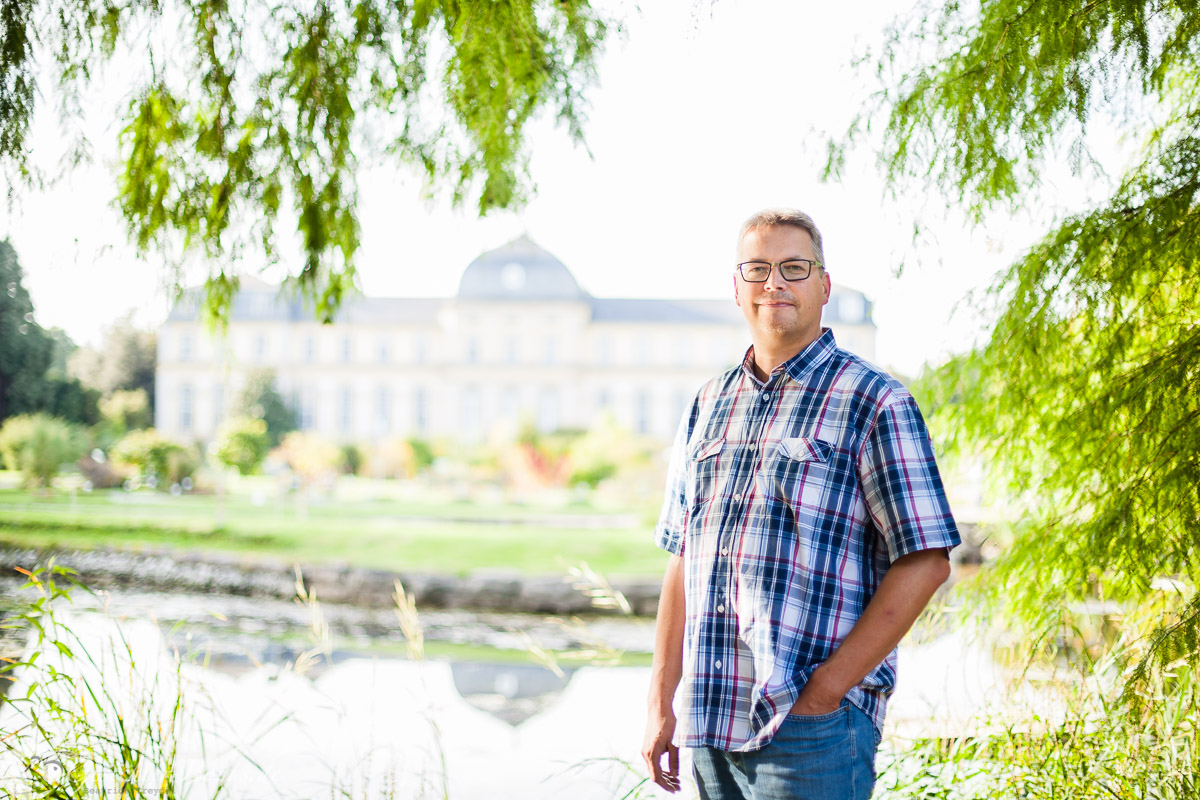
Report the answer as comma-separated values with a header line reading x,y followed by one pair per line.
x,y
779,324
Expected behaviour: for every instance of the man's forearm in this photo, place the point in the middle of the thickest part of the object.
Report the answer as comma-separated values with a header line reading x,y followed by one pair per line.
x,y
903,593
664,679
668,637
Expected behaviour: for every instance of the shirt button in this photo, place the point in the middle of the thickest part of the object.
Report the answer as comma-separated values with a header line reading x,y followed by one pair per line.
x,y
765,396
752,446
718,665
737,498
724,551
721,609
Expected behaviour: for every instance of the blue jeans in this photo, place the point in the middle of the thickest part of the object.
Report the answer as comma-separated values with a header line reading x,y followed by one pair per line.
x,y
823,757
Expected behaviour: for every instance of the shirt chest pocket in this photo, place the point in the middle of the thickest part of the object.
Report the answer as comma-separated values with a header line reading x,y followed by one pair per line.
x,y
703,461
797,472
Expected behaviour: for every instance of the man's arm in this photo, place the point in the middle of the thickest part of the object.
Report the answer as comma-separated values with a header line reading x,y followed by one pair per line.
x,y
902,595
664,678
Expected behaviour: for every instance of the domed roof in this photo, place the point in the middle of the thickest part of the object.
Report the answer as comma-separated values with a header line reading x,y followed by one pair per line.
x,y
519,270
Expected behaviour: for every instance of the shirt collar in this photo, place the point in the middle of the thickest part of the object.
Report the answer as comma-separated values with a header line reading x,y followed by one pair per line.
x,y
816,352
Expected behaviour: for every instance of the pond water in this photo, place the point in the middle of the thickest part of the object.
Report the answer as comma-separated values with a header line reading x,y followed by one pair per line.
x,y
362,720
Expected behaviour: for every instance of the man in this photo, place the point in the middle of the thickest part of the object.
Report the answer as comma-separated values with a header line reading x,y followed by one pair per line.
x,y
808,528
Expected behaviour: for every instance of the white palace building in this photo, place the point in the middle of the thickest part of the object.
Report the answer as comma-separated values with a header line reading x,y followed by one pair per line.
x,y
519,343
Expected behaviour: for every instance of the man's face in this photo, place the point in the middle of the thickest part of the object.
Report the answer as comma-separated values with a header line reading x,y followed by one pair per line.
x,y
781,313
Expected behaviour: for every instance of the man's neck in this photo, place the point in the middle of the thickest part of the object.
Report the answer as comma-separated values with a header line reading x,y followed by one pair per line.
x,y
770,354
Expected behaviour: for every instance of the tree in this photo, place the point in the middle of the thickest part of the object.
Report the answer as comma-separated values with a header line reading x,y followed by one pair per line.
x,y
69,399
27,349
260,400
125,361
1085,393
158,461
247,110
32,378
126,411
38,445
61,348
242,443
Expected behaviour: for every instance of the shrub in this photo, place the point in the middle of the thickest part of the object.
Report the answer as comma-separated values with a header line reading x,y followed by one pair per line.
x,y
594,455
392,458
422,454
181,464
311,457
539,459
261,399
153,455
242,443
126,411
38,445
69,399
101,474
352,458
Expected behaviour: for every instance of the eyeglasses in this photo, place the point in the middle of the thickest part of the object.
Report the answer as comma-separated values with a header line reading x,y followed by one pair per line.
x,y
794,269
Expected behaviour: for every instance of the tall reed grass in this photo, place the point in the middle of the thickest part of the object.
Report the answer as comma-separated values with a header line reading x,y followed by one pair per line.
x,y
82,718
89,714
1116,717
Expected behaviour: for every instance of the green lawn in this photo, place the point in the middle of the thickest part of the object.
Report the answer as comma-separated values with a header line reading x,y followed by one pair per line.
x,y
423,533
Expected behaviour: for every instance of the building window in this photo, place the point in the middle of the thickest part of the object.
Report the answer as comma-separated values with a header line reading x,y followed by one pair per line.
x,y
641,352
346,410
683,351
603,400
641,412
347,349
679,405
218,404
187,407
420,349
420,411
472,351
603,351
260,348
308,351
511,351
382,351
548,411
720,350
308,409
472,412
510,405
186,347
852,308
551,352
383,411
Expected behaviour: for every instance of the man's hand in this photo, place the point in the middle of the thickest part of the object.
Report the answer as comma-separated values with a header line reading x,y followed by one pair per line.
x,y
660,730
899,600
664,678
817,697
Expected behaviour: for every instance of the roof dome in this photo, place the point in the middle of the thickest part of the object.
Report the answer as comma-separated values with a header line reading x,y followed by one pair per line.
x,y
520,270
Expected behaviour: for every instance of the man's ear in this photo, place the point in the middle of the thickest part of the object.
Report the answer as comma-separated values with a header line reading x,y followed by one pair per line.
x,y
827,284
737,300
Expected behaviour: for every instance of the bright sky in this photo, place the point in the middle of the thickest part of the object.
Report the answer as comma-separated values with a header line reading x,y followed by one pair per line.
x,y
703,115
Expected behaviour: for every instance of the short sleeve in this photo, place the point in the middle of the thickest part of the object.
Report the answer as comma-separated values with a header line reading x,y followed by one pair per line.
x,y
668,533
901,483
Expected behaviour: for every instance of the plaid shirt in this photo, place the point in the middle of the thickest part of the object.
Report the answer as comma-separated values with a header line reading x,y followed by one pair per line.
x,y
788,500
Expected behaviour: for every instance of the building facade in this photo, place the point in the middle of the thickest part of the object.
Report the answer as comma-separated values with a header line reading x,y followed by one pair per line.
x,y
520,343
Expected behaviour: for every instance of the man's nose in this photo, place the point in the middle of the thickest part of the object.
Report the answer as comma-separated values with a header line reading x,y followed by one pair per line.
x,y
775,281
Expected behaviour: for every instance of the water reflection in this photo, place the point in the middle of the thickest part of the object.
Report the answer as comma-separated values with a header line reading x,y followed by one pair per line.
x,y
373,726
510,692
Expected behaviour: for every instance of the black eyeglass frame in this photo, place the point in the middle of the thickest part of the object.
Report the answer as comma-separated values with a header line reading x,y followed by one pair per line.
x,y
772,265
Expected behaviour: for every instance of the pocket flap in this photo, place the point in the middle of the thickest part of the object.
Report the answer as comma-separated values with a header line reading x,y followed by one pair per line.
x,y
801,449
707,449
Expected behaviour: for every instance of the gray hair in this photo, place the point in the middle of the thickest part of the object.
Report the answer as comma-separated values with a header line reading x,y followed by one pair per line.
x,y
793,217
